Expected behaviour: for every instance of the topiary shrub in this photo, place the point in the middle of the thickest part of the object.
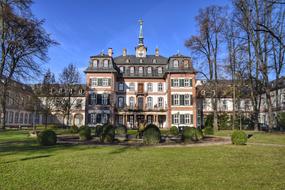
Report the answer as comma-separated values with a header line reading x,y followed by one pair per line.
x,y
74,129
47,137
121,132
108,134
209,130
151,134
174,130
141,129
190,134
85,133
239,138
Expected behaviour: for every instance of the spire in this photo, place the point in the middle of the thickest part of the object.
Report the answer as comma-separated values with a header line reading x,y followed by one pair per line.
x,y
141,32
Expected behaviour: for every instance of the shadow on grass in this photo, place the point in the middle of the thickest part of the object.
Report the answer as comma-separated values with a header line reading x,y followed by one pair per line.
x,y
124,149
35,157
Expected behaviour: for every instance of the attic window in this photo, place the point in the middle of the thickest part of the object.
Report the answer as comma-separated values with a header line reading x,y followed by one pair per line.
x,y
127,60
81,91
95,63
154,61
141,60
175,63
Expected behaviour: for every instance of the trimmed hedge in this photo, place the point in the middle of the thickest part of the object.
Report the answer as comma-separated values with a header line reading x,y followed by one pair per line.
x,y
85,133
209,130
151,134
108,133
174,130
47,137
239,138
190,134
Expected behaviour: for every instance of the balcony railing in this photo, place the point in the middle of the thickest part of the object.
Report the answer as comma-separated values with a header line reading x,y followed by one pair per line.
x,y
144,108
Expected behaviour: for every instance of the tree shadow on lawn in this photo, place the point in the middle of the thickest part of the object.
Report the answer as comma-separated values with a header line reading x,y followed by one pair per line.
x,y
28,158
125,148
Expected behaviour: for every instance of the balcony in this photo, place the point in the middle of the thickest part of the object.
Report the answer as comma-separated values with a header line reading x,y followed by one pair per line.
x,y
141,93
136,108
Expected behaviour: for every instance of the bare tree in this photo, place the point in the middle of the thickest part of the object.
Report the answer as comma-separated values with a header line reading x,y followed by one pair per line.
x,y
207,44
68,78
24,44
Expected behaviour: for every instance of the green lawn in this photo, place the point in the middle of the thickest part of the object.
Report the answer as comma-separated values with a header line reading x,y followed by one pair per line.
x,y
258,136
25,165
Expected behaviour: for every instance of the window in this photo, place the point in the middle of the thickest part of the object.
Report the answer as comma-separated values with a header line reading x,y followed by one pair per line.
x,y
132,102
181,82
26,118
105,118
105,99
175,64
16,117
106,63
11,115
175,99
154,61
30,118
127,61
121,119
187,118
92,118
149,87
121,102
92,98
174,82
149,102
21,118
132,87
121,86
187,100
186,82
225,106
160,102
105,82
186,63
159,70
141,60
95,63
149,70
132,70
140,70
175,119
182,119
122,69
160,87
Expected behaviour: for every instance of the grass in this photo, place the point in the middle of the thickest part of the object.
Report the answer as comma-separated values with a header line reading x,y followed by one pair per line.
x,y
258,136
30,166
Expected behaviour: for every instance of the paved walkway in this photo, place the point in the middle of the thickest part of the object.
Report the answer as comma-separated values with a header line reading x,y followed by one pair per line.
x,y
267,144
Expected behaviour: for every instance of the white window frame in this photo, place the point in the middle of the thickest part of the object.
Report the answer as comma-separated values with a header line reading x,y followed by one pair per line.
x,y
140,70
176,99
105,82
105,99
149,70
149,87
121,86
132,70
160,87
149,102
132,86
175,63
106,63
132,102
160,102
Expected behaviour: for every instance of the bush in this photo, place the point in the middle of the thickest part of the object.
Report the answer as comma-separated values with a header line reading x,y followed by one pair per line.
x,y
85,133
224,122
47,137
141,129
52,126
151,134
209,121
239,138
174,130
121,130
74,129
200,134
190,134
98,130
108,133
209,130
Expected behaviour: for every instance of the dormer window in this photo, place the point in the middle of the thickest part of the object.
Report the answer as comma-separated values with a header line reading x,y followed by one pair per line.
x,y
122,69
140,70
127,60
81,91
154,61
186,63
175,63
159,70
141,60
132,70
95,63
61,90
106,63
149,70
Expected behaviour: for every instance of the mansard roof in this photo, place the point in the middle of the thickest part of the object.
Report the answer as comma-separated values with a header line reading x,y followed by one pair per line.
x,y
145,60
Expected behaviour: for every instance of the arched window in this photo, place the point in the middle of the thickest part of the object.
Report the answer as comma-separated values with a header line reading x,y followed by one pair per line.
x,y
149,102
175,63
160,87
186,63
159,70
122,69
106,63
149,70
149,87
95,63
154,61
140,70
132,86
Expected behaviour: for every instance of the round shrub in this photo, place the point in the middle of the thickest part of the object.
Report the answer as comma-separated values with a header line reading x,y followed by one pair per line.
x,y
174,130
47,137
151,134
239,138
209,130
108,134
190,134
74,129
85,133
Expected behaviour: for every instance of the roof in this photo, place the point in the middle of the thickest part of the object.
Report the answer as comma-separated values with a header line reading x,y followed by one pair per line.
x,y
136,60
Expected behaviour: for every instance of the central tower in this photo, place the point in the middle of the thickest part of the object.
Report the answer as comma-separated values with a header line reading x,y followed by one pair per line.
x,y
140,48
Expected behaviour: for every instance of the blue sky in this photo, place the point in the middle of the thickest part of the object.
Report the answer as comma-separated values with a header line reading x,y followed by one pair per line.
x,y
87,27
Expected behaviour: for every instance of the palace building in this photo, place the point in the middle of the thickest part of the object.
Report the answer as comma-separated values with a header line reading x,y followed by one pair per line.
x,y
141,88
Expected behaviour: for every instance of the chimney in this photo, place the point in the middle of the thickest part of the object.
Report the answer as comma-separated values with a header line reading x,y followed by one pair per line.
x,y
124,52
156,52
110,52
